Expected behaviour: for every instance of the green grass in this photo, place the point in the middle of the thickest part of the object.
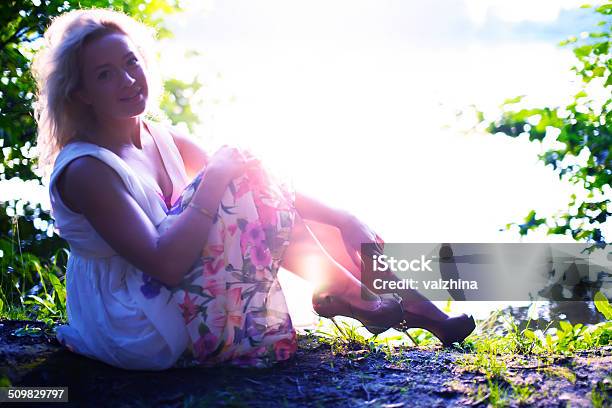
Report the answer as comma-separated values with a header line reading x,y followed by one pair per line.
x,y
31,288
492,348
351,340
565,339
522,393
488,363
498,395
600,392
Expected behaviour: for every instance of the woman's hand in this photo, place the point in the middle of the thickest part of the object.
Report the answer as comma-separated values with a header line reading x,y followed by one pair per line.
x,y
231,162
354,233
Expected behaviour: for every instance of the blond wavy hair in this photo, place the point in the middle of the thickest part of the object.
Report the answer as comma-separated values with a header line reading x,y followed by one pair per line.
x,y
57,69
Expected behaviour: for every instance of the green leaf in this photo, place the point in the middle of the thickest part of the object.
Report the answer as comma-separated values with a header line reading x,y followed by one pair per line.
x,y
598,71
5,381
601,49
565,326
44,302
59,289
583,51
603,305
531,223
580,94
570,40
529,334
549,341
511,101
605,9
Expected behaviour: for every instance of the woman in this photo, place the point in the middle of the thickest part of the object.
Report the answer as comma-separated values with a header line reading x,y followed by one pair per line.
x,y
174,252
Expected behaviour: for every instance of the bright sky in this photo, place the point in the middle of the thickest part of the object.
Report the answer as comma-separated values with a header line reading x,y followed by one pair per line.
x,y
545,11
350,97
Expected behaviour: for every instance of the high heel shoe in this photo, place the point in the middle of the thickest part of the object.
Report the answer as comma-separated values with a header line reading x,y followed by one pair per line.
x,y
448,331
388,314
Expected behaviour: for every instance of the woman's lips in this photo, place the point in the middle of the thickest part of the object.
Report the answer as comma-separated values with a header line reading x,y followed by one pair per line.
x,y
136,96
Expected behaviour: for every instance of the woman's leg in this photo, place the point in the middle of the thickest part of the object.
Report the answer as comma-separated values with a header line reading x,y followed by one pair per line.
x,y
330,239
308,259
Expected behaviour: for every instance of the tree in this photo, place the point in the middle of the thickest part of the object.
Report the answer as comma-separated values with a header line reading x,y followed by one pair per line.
x,y
582,131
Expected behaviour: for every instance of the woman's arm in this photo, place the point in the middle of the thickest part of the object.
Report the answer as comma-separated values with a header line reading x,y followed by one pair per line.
x,y
314,210
101,196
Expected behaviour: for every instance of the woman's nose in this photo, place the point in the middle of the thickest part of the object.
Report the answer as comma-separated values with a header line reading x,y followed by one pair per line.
x,y
127,79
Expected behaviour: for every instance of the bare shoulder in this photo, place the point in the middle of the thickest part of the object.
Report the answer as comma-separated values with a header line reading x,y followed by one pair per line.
x,y
85,176
98,192
87,166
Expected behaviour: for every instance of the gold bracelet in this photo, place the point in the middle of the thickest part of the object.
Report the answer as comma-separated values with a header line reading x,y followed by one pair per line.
x,y
202,210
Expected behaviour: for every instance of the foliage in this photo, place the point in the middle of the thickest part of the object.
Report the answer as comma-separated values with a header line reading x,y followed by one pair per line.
x,y
579,135
178,101
565,339
30,288
603,306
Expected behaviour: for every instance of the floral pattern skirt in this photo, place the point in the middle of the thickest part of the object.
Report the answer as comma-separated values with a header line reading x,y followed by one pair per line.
x,y
231,300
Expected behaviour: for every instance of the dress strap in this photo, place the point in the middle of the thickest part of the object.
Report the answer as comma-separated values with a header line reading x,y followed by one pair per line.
x,y
171,157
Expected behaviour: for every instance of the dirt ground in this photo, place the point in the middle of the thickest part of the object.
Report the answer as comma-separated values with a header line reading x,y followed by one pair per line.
x,y
412,377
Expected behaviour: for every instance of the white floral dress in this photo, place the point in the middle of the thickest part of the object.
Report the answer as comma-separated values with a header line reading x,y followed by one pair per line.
x,y
229,309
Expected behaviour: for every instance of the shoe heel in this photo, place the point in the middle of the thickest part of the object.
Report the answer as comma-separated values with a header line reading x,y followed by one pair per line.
x,y
316,300
333,319
411,338
402,328
450,331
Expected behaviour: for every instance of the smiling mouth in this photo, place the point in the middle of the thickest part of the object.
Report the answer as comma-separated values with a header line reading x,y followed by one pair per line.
x,y
132,98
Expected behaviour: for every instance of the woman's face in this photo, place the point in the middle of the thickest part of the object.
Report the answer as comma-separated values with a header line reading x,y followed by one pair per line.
x,y
114,80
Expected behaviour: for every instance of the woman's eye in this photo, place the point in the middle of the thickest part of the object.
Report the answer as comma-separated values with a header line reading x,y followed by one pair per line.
x,y
103,75
133,61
